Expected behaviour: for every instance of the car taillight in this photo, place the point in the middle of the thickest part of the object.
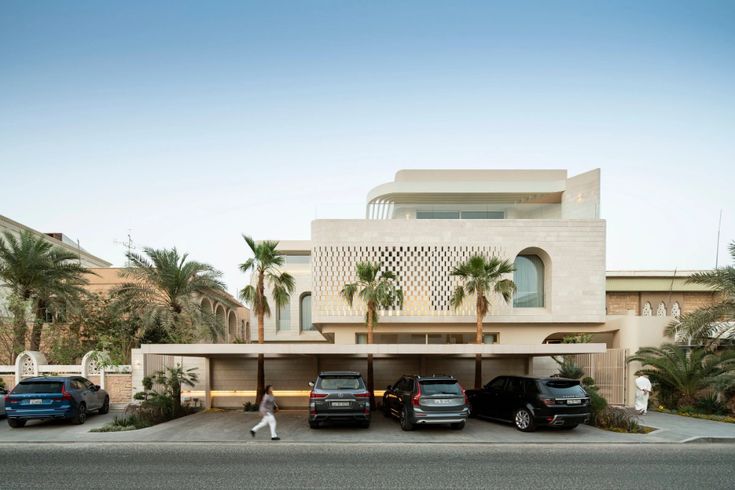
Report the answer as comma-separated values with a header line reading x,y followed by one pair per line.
x,y
65,395
362,395
416,397
7,399
547,401
464,394
313,395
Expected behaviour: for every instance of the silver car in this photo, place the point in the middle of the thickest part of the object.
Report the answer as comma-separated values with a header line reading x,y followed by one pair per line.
x,y
339,396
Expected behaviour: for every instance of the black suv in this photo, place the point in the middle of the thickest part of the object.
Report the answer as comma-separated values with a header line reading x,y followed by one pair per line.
x,y
419,400
339,396
529,402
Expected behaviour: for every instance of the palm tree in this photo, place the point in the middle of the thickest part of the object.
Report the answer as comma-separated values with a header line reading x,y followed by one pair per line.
x,y
713,325
378,290
163,291
264,265
481,277
37,272
681,373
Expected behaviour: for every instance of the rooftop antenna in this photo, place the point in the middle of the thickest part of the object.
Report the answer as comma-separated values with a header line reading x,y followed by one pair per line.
x,y
717,253
129,246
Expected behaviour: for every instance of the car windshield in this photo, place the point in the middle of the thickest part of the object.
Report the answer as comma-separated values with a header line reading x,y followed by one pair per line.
x,y
38,387
563,388
340,383
443,387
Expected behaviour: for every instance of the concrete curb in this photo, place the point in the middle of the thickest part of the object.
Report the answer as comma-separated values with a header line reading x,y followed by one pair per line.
x,y
709,440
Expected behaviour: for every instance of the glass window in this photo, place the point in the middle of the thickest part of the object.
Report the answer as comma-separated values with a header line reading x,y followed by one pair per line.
x,y
515,385
483,215
340,383
490,338
284,318
497,384
297,259
529,280
563,388
429,388
361,338
40,387
306,324
437,214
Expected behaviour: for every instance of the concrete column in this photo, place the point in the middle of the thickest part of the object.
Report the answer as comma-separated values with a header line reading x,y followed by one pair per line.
x,y
207,377
137,364
103,377
529,366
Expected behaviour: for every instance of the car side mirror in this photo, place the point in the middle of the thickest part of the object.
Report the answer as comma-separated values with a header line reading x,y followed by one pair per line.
x,y
97,388
311,383
388,388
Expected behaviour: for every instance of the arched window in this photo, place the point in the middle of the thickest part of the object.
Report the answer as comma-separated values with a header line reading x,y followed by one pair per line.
x,y
306,324
661,310
283,319
676,310
529,280
647,311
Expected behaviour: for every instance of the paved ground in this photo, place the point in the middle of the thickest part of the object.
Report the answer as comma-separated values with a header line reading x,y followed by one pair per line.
x,y
233,426
288,465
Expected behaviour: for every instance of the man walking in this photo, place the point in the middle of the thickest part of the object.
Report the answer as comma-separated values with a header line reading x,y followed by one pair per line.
x,y
268,406
642,392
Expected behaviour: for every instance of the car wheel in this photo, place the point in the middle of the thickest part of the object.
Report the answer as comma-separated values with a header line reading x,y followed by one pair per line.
x,y
105,406
457,426
81,415
313,424
569,427
523,420
405,422
16,423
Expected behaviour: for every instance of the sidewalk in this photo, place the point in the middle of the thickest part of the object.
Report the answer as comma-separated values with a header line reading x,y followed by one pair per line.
x,y
233,426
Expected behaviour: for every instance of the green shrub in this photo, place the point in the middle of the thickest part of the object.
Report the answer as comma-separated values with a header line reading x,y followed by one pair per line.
x,y
710,405
618,419
250,407
568,368
598,403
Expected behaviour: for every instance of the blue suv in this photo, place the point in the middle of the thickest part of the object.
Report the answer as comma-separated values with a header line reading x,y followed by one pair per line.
x,y
54,397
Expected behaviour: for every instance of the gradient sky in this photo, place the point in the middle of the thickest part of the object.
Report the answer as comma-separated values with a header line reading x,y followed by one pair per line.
x,y
192,122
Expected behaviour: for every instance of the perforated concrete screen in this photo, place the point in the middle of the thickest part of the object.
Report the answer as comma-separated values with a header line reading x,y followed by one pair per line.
x,y
423,273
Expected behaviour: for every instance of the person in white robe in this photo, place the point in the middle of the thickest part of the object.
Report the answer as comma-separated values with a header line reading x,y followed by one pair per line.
x,y
642,392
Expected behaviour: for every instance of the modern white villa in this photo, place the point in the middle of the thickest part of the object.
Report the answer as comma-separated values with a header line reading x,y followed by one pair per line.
x,y
420,226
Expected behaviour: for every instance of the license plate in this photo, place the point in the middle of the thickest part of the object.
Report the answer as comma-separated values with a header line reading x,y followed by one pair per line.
x,y
340,404
35,401
574,402
443,402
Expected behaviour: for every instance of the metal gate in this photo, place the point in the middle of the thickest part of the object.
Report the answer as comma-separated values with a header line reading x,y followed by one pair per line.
x,y
609,370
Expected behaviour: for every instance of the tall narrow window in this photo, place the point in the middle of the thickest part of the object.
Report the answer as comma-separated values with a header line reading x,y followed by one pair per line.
x,y
676,310
306,324
529,280
283,320
661,310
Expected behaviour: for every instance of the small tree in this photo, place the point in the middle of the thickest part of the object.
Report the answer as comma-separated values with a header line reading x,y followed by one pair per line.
x,y
264,265
481,277
378,290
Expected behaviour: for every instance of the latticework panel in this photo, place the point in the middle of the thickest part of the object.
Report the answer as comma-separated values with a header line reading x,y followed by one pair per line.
x,y
423,274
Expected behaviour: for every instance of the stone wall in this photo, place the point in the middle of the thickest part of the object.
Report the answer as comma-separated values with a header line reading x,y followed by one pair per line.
x,y
618,303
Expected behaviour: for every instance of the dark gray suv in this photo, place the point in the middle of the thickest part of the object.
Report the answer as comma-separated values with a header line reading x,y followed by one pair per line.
x,y
339,396
420,400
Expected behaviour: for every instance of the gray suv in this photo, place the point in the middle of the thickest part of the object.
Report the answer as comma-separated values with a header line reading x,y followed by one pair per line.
x,y
419,400
339,396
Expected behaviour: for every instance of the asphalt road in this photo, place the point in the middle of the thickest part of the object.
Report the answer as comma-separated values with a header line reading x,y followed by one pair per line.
x,y
287,465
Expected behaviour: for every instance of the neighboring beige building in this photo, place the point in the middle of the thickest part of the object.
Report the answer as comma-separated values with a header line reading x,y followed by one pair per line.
x,y
228,310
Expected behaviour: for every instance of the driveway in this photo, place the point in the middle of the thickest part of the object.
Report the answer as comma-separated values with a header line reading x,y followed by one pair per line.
x,y
233,426
53,430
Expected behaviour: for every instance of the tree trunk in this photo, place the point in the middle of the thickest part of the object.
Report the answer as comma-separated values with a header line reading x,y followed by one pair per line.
x,y
370,383
37,328
478,340
20,327
261,338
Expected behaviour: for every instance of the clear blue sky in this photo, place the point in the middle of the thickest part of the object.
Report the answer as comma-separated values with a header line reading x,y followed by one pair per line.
x,y
191,122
